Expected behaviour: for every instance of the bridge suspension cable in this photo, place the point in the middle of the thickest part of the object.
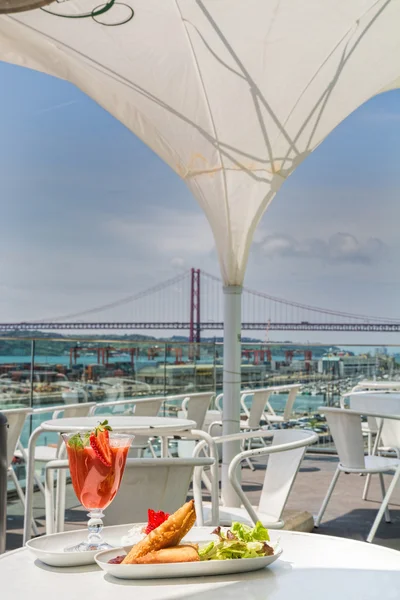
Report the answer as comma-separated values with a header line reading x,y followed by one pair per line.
x,y
315,309
121,302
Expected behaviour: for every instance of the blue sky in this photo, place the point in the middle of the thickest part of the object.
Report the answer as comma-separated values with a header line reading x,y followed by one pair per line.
x,y
90,214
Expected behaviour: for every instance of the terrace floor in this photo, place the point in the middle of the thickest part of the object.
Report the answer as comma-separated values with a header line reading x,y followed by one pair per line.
x,y
347,514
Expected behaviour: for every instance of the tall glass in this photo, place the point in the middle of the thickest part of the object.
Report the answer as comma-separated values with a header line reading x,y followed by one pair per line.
x,y
96,484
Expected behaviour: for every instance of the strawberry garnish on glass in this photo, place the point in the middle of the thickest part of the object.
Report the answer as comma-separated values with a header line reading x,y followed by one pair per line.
x,y
155,519
100,442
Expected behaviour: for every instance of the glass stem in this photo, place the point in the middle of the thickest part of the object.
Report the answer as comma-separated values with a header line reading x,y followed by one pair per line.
x,y
95,526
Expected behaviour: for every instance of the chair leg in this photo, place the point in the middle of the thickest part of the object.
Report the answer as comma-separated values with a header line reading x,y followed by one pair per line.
x,y
327,497
206,480
153,452
383,507
251,466
21,497
382,482
39,484
368,480
366,486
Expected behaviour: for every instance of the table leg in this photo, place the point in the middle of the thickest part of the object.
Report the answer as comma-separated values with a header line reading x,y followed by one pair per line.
x,y
30,479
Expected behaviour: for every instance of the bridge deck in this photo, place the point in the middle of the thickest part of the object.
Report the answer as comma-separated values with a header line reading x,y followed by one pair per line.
x,y
202,326
347,515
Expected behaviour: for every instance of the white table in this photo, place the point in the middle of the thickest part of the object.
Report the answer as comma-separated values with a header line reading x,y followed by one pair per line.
x,y
312,567
151,426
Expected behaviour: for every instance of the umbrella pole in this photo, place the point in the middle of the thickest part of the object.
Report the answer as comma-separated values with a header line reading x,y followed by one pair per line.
x,y
231,385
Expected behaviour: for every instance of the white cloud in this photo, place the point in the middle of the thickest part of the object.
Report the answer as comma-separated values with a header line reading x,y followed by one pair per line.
x,y
337,249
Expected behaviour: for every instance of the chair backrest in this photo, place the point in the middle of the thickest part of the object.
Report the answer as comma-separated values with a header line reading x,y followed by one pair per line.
x,y
382,403
74,410
148,408
293,391
15,420
345,428
160,484
195,408
282,470
143,407
260,406
218,402
257,407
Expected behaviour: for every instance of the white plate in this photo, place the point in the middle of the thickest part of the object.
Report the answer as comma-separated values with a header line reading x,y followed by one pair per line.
x,y
188,569
50,548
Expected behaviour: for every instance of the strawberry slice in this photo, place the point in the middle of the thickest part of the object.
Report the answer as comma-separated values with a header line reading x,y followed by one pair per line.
x,y
99,441
155,519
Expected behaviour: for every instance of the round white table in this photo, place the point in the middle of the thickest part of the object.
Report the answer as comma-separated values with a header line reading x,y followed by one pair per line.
x,y
142,425
312,566
152,426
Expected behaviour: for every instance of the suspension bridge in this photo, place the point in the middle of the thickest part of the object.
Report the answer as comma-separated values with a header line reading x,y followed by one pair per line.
x,y
193,301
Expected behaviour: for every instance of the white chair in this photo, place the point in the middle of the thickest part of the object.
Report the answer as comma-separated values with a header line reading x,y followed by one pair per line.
x,y
261,410
387,431
345,427
15,424
260,407
160,484
285,454
194,408
254,415
214,415
268,412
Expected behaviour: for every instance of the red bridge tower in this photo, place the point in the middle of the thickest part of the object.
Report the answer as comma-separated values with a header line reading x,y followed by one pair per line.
x,y
195,324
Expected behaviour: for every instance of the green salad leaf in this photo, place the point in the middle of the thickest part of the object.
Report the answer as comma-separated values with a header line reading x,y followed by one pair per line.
x,y
240,541
258,533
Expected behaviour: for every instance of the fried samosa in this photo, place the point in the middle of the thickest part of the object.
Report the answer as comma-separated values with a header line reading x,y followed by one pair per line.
x,y
176,554
166,535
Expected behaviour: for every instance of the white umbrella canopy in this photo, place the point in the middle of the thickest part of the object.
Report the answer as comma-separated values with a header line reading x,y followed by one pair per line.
x,y
232,94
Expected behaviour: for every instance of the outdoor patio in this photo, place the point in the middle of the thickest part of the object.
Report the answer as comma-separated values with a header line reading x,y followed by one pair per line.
x,y
347,514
